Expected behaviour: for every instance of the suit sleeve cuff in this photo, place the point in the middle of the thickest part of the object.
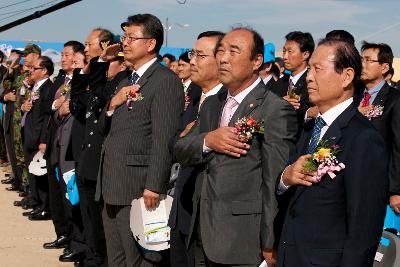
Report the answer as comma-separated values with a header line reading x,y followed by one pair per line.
x,y
282,188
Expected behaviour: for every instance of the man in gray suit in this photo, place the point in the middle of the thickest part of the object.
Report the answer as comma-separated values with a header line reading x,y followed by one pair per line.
x,y
234,198
135,160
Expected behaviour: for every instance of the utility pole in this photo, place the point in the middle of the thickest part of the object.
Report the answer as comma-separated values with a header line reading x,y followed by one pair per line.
x,y
38,14
167,28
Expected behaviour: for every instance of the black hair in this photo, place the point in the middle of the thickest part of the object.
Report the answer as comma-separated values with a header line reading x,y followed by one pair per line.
x,y
170,57
217,34
346,56
303,39
385,53
152,27
185,57
75,45
340,35
47,63
1,56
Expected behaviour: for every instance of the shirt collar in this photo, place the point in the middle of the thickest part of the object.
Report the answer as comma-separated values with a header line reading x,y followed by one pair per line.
x,y
267,79
239,97
296,77
187,84
374,90
213,91
40,83
330,115
145,66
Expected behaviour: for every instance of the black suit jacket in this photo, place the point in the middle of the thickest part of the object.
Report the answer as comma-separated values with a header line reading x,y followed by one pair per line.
x,y
81,85
93,137
389,126
35,128
338,222
281,87
194,92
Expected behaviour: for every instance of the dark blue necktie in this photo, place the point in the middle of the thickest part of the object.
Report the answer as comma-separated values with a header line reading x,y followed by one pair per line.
x,y
316,133
133,78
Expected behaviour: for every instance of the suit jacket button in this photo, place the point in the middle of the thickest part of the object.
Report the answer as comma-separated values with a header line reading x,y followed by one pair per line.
x,y
95,121
91,133
100,109
89,145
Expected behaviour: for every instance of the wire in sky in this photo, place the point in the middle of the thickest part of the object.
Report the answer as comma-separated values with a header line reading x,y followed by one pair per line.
x,y
19,12
21,2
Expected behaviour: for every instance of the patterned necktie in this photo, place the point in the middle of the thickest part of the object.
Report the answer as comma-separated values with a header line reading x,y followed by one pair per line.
x,y
67,80
290,86
365,102
133,78
316,133
228,111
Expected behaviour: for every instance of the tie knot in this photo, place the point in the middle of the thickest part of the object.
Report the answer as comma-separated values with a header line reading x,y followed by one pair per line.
x,y
134,77
231,103
319,122
67,80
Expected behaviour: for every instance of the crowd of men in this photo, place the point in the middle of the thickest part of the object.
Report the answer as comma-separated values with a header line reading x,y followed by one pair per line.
x,y
118,115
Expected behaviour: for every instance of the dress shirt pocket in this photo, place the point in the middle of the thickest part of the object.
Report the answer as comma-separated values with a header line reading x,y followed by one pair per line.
x,y
326,257
243,207
137,160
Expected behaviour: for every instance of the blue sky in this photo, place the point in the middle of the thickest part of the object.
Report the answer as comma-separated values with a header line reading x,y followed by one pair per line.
x,y
377,21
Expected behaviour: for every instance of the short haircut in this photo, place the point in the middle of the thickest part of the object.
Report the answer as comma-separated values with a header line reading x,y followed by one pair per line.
x,y
346,56
258,42
152,27
303,39
185,57
105,35
340,35
216,34
47,63
75,45
170,57
385,53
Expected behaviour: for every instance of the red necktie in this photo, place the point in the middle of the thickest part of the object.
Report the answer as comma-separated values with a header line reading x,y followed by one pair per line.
x,y
366,99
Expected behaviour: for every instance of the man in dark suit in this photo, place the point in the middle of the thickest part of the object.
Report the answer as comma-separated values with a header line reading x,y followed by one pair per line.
x,y
37,110
234,202
297,50
377,60
192,90
337,221
60,209
135,160
203,71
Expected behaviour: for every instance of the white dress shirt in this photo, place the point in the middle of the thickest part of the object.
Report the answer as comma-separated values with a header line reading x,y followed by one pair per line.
x,y
296,77
239,99
267,79
329,117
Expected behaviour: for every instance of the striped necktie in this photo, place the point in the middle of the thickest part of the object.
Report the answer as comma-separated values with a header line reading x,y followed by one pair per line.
x,y
316,133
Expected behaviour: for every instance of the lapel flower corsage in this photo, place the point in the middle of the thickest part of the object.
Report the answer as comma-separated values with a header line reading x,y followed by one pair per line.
x,y
375,112
34,95
133,96
324,161
246,127
64,89
292,92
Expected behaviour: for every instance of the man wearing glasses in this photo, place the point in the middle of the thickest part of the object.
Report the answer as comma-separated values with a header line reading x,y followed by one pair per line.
x,y
376,61
135,160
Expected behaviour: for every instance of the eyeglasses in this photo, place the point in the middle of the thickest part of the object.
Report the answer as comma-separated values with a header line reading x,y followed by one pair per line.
x,y
195,54
130,39
368,60
36,68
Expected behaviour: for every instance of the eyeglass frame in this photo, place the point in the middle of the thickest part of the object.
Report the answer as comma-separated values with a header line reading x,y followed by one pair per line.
x,y
370,61
194,54
130,39
36,68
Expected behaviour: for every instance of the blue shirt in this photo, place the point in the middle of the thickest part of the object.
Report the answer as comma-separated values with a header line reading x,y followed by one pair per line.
x,y
374,91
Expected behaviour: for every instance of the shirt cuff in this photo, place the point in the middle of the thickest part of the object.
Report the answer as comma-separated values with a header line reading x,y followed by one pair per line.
x,y
100,60
206,149
282,188
53,107
110,113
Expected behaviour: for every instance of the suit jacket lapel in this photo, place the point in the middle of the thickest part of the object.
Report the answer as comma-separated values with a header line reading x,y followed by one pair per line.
x,y
332,136
217,109
143,79
249,103
381,97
